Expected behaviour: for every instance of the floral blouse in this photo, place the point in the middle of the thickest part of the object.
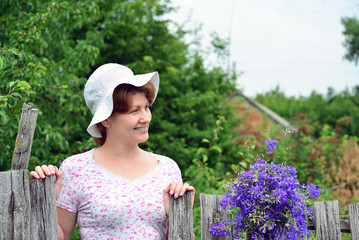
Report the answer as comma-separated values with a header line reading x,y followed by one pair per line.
x,y
109,206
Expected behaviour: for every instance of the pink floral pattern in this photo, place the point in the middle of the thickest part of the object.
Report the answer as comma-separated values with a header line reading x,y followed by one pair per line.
x,y
109,206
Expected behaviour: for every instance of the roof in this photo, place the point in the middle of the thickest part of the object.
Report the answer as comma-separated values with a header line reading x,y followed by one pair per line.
x,y
272,115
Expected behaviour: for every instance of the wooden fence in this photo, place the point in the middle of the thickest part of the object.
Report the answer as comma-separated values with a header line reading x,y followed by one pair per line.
x,y
326,223
28,211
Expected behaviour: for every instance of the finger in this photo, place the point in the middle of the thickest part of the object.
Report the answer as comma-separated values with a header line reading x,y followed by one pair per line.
x,y
40,172
178,189
183,189
46,170
186,187
51,169
34,175
167,189
58,174
173,188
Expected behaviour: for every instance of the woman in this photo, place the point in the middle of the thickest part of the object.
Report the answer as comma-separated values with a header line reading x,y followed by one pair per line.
x,y
116,191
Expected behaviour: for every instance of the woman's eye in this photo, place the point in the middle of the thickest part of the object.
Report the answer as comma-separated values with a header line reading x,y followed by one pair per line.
x,y
133,111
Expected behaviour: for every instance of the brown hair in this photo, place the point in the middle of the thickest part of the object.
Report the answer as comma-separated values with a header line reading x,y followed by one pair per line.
x,y
122,100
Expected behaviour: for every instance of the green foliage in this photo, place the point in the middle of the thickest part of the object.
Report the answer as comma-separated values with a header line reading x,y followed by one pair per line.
x,y
48,48
314,155
207,178
351,42
323,110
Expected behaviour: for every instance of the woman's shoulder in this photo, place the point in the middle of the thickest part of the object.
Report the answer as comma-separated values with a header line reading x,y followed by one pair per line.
x,y
165,160
77,160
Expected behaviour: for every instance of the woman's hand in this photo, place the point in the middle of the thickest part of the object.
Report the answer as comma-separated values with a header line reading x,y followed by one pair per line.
x,y
43,171
176,189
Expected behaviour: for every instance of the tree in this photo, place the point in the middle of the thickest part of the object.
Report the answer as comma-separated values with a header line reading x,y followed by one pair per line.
x,y
351,42
49,48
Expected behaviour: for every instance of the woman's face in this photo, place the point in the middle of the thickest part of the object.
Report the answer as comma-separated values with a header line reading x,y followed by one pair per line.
x,y
131,127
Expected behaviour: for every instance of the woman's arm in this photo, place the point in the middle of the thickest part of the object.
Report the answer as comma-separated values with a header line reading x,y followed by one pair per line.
x,y
66,223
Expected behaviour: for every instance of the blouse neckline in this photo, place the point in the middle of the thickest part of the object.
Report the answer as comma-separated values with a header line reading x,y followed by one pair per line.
x,y
148,174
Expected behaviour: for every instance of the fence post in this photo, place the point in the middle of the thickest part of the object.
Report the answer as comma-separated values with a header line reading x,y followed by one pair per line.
x,y
22,150
181,218
43,209
327,222
14,205
26,211
354,220
211,210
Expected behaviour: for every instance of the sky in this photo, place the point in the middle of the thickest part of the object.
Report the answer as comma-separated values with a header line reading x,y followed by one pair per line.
x,y
296,45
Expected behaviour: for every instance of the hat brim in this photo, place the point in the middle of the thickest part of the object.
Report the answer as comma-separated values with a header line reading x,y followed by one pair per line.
x,y
105,108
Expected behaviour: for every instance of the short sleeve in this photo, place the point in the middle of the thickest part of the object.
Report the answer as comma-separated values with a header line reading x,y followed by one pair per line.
x,y
172,169
68,199
177,173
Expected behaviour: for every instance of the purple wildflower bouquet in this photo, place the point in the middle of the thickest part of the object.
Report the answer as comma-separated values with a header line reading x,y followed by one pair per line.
x,y
267,202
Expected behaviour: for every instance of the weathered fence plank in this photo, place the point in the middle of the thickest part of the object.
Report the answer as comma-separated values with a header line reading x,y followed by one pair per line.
x,y
14,205
210,211
344,225
354,220
22,150
181,218
43,209
327,220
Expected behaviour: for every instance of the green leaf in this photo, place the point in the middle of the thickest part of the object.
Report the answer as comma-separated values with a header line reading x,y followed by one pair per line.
x,y
31,64
233,167
23,85
205,158
200,150
14,51
243,164
4,117
2,62
16,94
148,59
11,84
216,148
205,140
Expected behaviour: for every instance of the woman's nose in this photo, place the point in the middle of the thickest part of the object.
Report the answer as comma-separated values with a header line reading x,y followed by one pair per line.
x,y
146,115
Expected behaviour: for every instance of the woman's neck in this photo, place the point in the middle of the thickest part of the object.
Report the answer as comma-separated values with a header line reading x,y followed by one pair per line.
x,y
117,151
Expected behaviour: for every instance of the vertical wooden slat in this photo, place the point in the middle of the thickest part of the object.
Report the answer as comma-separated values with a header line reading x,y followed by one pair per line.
x,y
354,221
43,209
14,205
181,218
22,150
327,222
211,210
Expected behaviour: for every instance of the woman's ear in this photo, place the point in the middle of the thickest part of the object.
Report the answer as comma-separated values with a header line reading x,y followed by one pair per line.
x,y
106,123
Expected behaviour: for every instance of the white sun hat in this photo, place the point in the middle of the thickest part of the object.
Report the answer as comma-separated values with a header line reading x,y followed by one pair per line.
x,y
100,86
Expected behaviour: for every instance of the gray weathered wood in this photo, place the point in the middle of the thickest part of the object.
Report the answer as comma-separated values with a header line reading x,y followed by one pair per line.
x,y
14,205
181,218
327,222
43,209
22,150
344,225
210,211
354,220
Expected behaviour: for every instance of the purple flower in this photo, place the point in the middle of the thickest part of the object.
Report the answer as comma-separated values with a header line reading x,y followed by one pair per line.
x,y
288,130
270,144
219,229
268,202
312,190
